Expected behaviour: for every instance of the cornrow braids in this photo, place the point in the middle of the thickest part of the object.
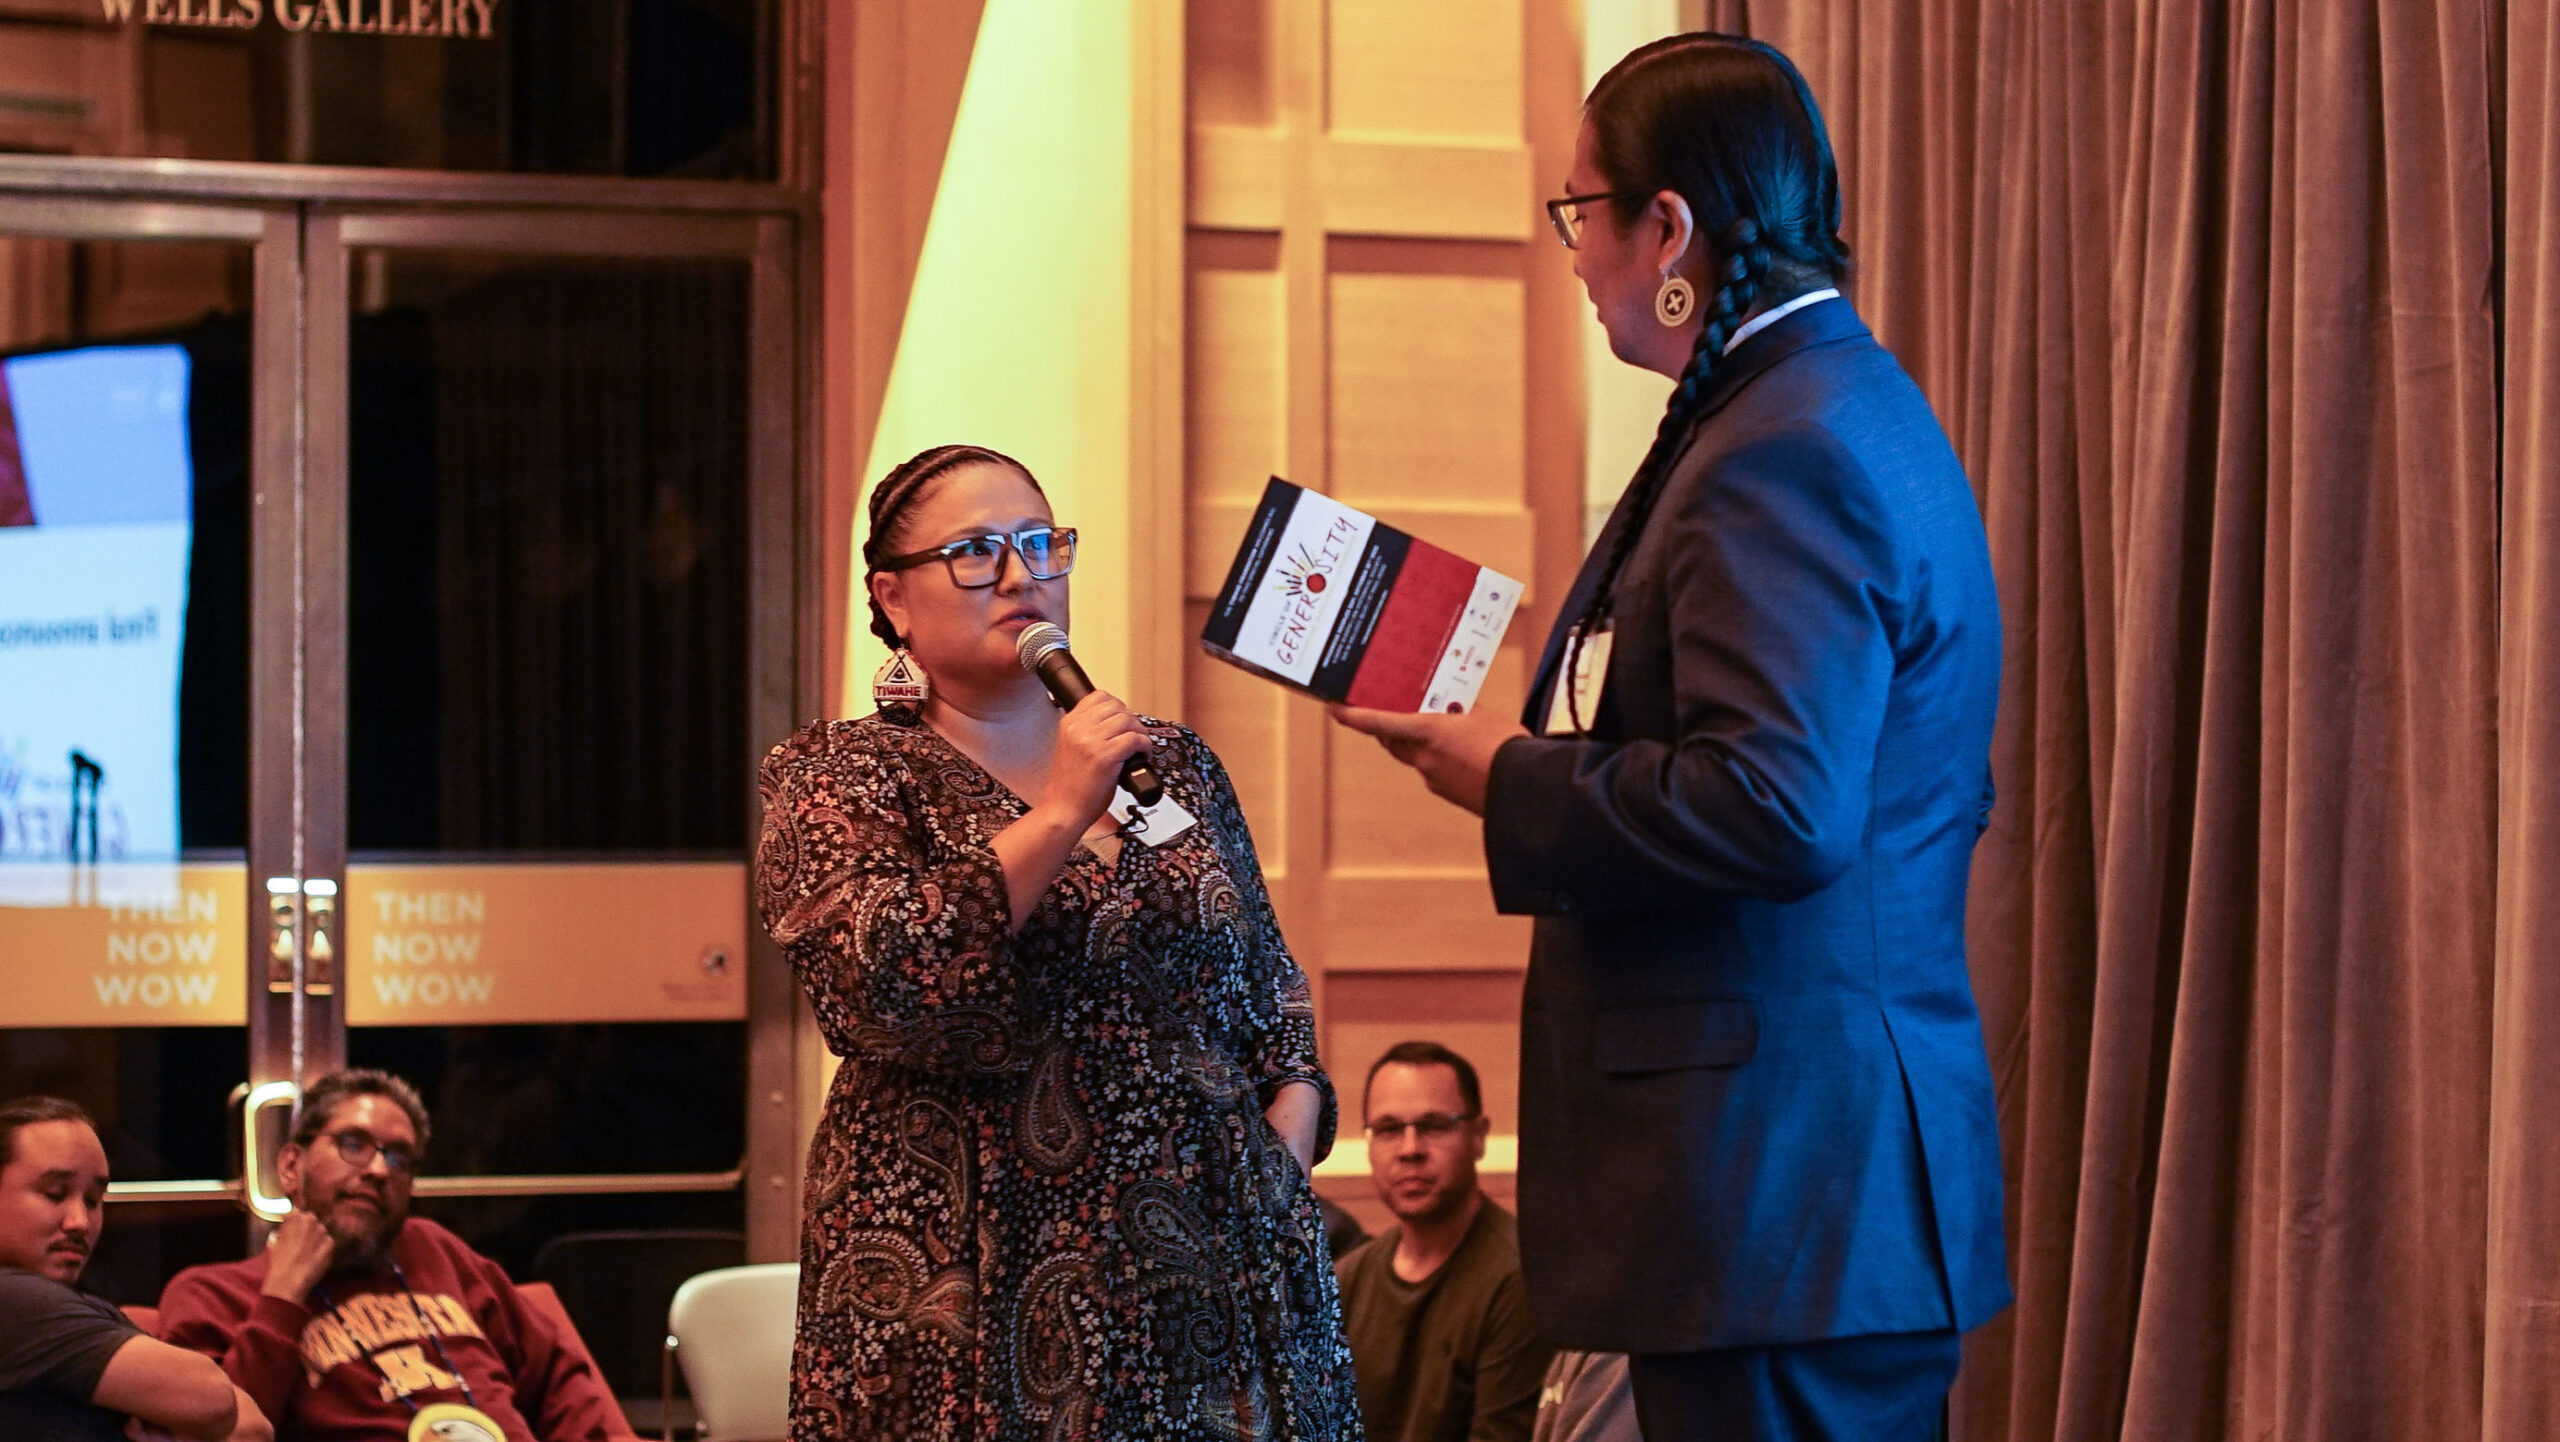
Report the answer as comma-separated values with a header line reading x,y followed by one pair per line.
x,y
897,494
1745,271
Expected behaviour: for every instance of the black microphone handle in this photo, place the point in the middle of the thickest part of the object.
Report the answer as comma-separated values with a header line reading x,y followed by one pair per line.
x,y
1068,685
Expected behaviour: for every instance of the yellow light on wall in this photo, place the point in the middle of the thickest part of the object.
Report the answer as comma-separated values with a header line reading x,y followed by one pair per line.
x,y
1624,403
1017,334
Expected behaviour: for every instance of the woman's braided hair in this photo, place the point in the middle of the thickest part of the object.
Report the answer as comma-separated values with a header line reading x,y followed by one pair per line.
x,y
1729,125
897,495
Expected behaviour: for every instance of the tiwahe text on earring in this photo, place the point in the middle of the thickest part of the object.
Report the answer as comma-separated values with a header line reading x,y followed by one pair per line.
x,y
900,683
1673,303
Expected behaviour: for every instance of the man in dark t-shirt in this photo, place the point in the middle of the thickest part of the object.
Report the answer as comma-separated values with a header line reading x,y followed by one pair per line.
x,y
55,1344
72,1369
1439,1324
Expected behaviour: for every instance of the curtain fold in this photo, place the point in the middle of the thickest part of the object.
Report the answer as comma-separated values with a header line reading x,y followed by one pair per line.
x,y
2522,1367
2217,302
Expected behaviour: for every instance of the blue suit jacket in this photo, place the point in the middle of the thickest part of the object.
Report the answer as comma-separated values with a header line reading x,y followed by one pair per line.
x,y
1755,1107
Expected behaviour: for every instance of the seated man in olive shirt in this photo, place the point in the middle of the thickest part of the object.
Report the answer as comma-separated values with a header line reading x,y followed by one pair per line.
x,y
1440,1334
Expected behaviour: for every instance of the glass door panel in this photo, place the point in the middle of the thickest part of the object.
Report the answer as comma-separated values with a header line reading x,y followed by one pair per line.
x,y
126,923
430,749
547,652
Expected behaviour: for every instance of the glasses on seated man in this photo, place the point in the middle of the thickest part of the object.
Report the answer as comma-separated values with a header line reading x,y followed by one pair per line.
x,y
1430,1127
358,1149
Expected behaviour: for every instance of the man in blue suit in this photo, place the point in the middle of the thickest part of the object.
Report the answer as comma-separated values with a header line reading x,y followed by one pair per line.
x,y
1758,1147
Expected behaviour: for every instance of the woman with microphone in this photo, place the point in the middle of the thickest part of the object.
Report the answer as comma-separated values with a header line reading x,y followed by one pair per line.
x,y
1061,1188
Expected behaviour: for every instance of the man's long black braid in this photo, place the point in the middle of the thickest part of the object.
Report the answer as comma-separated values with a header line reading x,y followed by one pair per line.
x,y
1745,271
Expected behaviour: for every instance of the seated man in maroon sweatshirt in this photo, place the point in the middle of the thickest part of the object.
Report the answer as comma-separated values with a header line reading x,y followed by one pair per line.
x,y
361,1322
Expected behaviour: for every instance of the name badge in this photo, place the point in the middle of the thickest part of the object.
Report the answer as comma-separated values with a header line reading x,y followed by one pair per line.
x,y
454,1422
1590,673
1154,825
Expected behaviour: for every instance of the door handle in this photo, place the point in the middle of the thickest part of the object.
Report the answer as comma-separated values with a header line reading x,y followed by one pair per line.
x,y
320,905
267,1206
293,905
284,931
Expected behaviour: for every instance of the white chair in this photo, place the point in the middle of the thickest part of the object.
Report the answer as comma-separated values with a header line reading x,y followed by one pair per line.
x,y
730,1331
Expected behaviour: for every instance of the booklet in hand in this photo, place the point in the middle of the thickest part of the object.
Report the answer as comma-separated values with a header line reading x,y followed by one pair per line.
x,y
1335,603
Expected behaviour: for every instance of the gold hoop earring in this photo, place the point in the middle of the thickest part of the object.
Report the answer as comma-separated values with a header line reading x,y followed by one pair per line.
x,y
900,683
1676,301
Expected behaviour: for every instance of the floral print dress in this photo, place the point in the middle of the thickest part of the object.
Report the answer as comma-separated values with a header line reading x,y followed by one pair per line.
x,y
1044,1202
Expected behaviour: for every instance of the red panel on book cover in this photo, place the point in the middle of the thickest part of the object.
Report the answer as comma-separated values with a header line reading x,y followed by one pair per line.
x,y
1420,616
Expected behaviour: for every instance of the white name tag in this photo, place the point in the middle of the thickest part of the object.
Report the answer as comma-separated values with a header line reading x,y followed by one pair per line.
x,y
1155,825
1590,672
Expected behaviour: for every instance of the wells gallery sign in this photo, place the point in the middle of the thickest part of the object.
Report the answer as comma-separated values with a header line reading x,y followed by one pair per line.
x,y
442,19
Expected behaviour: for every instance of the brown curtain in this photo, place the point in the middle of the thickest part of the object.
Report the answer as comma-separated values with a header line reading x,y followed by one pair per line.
x,y
2243,318
2521,1325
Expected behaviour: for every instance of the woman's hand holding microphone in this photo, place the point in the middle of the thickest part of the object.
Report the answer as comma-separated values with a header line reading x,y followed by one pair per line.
x,y
1095,737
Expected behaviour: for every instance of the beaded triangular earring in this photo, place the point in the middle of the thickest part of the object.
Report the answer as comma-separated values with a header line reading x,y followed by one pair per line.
x,y
900,683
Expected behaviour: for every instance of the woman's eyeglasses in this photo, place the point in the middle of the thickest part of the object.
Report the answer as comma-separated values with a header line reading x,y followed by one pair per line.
x,y
1566,214
976,562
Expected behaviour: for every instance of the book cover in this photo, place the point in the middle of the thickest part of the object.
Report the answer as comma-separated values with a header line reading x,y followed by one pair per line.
x,y
1333,602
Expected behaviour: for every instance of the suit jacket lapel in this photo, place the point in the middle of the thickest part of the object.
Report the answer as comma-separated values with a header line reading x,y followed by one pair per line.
x,y
1816,324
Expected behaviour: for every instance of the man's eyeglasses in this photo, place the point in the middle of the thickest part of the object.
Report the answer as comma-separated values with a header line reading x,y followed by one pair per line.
x,y
358,1150
1566,214
1430,1126
976,562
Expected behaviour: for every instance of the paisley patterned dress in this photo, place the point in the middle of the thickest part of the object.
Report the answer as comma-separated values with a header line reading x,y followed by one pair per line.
x,y
1044,1202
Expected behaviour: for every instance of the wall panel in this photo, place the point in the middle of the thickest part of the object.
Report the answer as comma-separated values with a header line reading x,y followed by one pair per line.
x,y
1428,390
1234,397
1243,716
1228,58
1426,68
1375,310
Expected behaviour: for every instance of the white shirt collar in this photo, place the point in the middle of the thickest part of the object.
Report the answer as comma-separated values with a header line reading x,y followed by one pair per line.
x,y
1775,314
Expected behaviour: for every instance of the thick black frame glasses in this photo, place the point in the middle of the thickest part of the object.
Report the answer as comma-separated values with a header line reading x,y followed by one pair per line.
x,y
1565,214
1430,1126
358,1150
971,555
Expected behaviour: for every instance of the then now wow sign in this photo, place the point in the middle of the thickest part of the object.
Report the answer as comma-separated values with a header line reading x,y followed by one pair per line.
x,y
432,19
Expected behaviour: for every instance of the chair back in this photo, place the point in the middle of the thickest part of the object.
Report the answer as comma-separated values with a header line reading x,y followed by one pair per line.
x,y
545,1303
618,1285
731,1330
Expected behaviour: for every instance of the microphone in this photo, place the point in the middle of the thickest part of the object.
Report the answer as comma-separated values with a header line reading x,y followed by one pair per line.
x,y
1042,650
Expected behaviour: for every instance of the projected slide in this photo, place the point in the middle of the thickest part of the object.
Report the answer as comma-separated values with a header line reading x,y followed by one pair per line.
x,y
95,470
